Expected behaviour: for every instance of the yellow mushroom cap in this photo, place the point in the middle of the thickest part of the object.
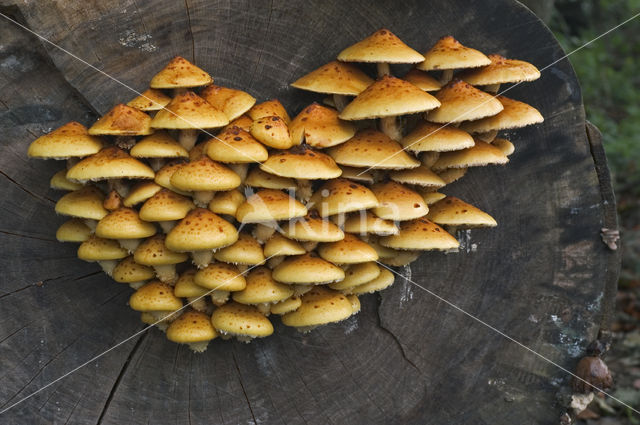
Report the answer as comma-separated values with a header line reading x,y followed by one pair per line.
x,y
158,145
240,319
285,306
128,271
302,163
428,136
226,202
140,193
320,127
420,176
60,181
341,196
357,274
246,250
381,46
501,70
201,230
422,80
372,148
480,154
262,288
461,101
449,53
319,306
384,280
398,202
232,102
70,140
150,100
166,206
362,222
189,111
307,269
198,151
164,174
99,249
279,245
220,276
124,223
110,163
269,205
154,252
155,296
234,145
260,178
270,108
73,230
431,197
420,234
204,175
400,258
312,228
122,120
450,175
192,326
389,97
243,121
504,145
347,251
334,78
515,114
83,203
452,211
186,286
179,73
272,131
356,174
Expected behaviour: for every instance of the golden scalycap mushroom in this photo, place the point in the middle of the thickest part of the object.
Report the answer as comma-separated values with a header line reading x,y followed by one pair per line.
x,y
272,131
140,193
164,174
422,80
220,276
260,178
128,271
269,205
420,234
480,154
357,274
302,163
155,253
449,53
180,73
246,250
363,222
232,102
150,100
420,176
431,197
155,296
60,181
201,230
384,280
243,121
381,46
515,114
100,249
204,175
320,127
504,145
188,111
110,163
242,321
319,306
278,245
124,223
235,146
312,228
452,211
285,306
461,101
226,202
341,196
371,148
73,230
431,137
83,203
186,286
166,205
307,269
262,288
70,140
158,145
501,70
270,108
198,151
122,120
335,78
349,250
400,258
193,328
398,202
450,175
389,97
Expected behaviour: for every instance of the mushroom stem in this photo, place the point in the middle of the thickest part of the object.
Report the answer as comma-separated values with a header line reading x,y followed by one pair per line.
x,y
242,268
339,219
429,158
446,76
125,142
263,231
199,347
157,163
108,266
178,91
240,169
119,186
198,303
188,137
383,69
273,262
203,197
167,225
264,308
340,101
166,273
303,191
91,224
244,338
390,127
219,297
492,88
202,258
130,244
136,285
72,161
113,201
488,137
306,329
299,290
309,245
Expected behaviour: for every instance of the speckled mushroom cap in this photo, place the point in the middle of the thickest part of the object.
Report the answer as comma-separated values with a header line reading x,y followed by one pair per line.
x,y
232,102
220,276
259,178
307,269
74,230
234,145
349,250
279,245
422,80
59,181
262,288
198,151
269,108
384,280
128,271
150,100
320,127
164,174
452,211
431,197
357,274
372,148
357,174
449,53
180,73
246,250
241,320
155,296
122,120
124,223
154,252
166,206
70,140
140,192
186,286
189,111
461,102
83,203
312,228
272,131
381,46
420,176
192,326
480,154
269,205
515,114
398,202
501,70
99,249
226,202
204,175
110,163
243,121
388,97
341,196
319,306
420,234
400,258
363,222
285,306
302,163
433,137
334,78
158,145
201,230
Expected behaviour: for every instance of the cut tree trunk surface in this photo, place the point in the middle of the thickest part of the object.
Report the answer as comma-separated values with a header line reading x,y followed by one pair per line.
x,y
543,276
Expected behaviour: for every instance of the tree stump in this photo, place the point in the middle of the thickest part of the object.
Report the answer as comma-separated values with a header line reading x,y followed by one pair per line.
x,y
543,276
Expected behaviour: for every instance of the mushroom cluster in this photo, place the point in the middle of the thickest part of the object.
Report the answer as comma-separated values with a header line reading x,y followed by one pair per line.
x,y
220,212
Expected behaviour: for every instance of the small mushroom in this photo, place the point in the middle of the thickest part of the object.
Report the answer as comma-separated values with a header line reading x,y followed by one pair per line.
x,y
157,299
244,322
193,328
153,252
